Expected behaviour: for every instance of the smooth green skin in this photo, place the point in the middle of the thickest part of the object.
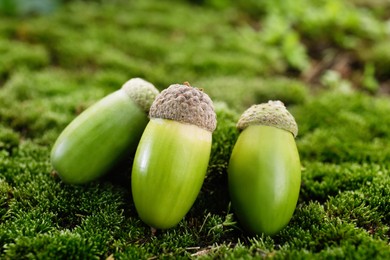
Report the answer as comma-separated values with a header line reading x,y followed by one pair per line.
x,y
264,177
168,171
98,138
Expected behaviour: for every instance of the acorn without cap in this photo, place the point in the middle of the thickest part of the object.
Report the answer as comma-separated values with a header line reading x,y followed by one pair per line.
x,y
101,135
264,172
172,157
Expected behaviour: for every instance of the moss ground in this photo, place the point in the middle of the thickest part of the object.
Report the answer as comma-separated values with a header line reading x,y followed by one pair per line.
x,y
327,60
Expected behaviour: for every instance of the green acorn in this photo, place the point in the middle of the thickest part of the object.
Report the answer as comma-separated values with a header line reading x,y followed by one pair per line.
x,y
264,172
101,135
172,157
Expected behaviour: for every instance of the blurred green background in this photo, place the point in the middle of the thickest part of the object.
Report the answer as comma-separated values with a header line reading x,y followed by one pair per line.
x,y
327,60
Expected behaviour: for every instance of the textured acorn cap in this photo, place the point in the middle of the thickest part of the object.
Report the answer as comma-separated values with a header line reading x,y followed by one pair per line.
x,y
273,113
142,92
185,104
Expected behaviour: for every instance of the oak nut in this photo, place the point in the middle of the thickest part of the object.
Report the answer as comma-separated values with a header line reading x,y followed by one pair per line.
x,y
264,172
102,134
172,157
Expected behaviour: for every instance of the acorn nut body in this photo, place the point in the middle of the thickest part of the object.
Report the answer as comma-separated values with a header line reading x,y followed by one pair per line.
x,y
172,157
264,172
102,134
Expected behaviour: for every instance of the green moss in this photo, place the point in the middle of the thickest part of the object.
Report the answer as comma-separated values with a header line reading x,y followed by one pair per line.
x,y
5,196
339,127
16,54
53,67
52,245
347,191
379,57
254,90
8,139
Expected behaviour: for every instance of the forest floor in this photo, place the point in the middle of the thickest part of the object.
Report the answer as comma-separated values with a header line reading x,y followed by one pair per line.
x,y
328,61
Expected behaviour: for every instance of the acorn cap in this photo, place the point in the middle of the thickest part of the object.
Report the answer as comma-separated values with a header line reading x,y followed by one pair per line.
x,y
141,92
185,104
273,113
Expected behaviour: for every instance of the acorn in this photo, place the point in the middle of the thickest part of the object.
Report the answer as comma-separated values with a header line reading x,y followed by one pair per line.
x,y
264,172
172,157
103,134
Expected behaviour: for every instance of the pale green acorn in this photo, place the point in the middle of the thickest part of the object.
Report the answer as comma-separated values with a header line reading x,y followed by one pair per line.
x,y
264,172
101,135
173,155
